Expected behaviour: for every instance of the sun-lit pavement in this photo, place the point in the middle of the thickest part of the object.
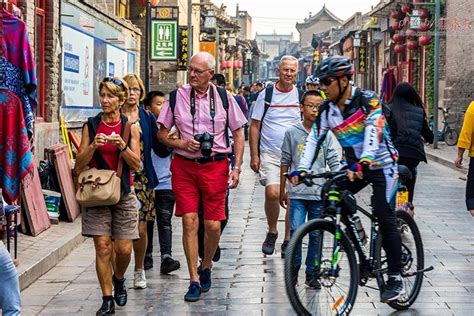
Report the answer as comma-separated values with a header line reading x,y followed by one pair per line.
x,y
247,282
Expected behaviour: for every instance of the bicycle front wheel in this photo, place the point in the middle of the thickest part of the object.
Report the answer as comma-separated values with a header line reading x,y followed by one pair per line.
x,y
317,288
451,137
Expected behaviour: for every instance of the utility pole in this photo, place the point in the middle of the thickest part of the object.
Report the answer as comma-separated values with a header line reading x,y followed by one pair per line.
x,y
190,29
147,45
436,74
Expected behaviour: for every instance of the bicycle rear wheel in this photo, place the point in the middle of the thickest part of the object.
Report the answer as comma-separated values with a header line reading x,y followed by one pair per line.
x,y
338,288
451,137
412,260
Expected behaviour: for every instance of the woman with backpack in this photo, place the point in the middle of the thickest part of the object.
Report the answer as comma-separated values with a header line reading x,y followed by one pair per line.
x,y
409,130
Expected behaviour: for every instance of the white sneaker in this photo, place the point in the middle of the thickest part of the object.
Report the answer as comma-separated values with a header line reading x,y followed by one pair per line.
x,y
139,280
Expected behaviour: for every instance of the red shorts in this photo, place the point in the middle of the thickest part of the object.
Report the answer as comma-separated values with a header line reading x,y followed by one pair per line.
x,y
192,182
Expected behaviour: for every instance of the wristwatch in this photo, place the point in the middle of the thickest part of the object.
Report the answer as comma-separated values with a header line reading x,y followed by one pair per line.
x,y
238,168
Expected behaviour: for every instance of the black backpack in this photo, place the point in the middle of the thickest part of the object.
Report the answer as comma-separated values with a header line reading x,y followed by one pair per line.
x,y
225,103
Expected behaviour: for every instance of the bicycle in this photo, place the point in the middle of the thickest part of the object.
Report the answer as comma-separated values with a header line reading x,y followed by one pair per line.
x,y
339,239
447,134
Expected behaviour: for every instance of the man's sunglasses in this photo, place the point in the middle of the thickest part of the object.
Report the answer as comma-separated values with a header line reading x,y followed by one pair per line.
x,y
327,81
116,82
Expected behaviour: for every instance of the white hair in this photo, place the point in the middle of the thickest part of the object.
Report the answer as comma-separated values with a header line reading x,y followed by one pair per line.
x,y
288,57
211,61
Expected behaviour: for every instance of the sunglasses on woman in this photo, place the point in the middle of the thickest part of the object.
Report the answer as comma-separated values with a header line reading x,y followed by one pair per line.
x,y
116,82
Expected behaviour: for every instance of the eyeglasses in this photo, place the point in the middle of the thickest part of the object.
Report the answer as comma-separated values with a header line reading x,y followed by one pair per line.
x,y
327,81
197,71
116,82
135,90
312,106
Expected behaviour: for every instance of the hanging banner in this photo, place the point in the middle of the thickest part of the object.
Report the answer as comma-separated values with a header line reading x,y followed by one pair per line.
x,y
183,48
164,44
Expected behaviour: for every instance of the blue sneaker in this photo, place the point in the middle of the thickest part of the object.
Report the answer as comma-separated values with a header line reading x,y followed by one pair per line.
x,y
194,292
205,279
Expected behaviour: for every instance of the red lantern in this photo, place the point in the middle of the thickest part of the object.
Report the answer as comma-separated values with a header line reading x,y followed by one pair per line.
x,y
418,1
397,15
412,45
424,26
410,33
240,64
142,3
223,65
396,26
236,64
406,8
400,48
398,38
424,40
423,13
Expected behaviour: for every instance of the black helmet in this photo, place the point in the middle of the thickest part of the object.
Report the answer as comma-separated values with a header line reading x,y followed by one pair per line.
x,y
334,66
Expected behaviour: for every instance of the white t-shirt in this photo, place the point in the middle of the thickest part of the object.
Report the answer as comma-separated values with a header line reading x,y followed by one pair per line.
x,y
284,111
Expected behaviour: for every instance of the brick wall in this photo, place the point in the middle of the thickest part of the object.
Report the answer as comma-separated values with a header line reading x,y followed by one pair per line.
x,y
459,90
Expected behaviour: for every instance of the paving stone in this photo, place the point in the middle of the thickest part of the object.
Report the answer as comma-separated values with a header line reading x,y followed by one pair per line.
x,y
246,282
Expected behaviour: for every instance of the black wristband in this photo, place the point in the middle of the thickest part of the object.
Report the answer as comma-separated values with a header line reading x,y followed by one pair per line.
x,y
124,148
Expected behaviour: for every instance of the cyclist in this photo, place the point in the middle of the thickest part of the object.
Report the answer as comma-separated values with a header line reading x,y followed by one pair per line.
x,y
312,83
355,117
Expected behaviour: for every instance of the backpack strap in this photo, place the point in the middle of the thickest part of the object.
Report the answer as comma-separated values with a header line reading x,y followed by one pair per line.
x,y
268,102
225,103
126,137
173,100
300,95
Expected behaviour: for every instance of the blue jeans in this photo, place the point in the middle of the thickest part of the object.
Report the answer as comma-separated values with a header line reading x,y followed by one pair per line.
x,y
10,301
299,209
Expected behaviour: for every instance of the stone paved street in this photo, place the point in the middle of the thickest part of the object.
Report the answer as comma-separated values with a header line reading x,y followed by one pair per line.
x,y
247,282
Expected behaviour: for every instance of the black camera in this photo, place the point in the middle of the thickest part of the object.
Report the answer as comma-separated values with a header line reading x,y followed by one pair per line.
x,y
207,141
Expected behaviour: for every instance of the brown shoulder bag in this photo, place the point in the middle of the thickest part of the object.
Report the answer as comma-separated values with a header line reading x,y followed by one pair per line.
x,y
99,187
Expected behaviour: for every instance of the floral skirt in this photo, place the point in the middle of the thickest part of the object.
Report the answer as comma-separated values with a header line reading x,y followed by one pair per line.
x,y
146,201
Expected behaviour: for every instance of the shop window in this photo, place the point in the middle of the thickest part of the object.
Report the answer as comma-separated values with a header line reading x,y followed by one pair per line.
x,y
122,7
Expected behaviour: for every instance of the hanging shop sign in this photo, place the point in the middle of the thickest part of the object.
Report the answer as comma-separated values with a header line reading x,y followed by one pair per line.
x,y
363,56
209,47
164,44
247,69
415,20
183,54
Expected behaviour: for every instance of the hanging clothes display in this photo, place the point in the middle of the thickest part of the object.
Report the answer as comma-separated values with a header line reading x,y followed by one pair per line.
x,y
388,84
17,52
11,78
16,160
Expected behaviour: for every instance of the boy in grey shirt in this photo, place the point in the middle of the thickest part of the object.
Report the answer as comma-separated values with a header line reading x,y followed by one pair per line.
x,y
303,200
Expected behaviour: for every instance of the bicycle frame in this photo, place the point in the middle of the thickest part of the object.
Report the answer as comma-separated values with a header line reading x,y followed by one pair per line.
x,y
366,259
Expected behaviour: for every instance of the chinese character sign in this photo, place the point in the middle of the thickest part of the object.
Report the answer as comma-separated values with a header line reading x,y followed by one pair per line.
x,y
164,40
183,54
363,57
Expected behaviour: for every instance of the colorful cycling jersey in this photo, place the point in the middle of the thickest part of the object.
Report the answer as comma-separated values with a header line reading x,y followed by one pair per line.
x,y
361,131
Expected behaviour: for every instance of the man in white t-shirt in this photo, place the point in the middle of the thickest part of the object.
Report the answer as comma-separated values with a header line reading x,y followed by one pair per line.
x,y
266,139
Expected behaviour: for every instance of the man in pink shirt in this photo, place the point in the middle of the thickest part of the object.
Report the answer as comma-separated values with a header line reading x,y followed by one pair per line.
x,y
200,166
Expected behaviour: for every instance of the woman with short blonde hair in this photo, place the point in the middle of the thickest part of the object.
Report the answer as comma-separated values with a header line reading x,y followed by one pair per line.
x,y
102,146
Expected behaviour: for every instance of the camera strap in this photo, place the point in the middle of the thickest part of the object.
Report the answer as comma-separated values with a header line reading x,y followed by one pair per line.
x,y
212,107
